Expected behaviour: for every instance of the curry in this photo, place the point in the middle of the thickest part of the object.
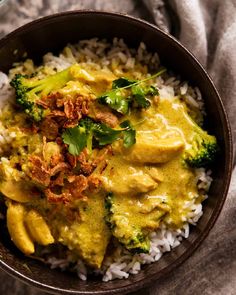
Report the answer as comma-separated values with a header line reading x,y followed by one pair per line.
x,y
98,157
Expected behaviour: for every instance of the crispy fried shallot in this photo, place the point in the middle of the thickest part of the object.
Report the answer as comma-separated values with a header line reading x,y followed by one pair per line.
x,y
102,114
39,171
49,128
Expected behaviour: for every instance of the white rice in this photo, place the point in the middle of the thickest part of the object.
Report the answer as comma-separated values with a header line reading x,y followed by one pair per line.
x,y
101,55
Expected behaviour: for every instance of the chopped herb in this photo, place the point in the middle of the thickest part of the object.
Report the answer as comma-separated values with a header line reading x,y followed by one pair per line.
x,y
152,90
129,134
141,95
76,138
116,101
119,101
79,137
122,82
105,134
88,132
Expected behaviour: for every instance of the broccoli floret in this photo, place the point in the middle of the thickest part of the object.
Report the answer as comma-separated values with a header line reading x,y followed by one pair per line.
x,y
138,243
129,224
128,235
30,89
203,149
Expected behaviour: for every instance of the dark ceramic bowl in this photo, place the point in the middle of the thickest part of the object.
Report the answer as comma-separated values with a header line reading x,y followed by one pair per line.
x,y
51,34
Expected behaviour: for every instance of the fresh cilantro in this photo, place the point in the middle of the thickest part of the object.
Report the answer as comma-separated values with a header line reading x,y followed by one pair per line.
x,y
139,96
105,134
142,94
76,138
118,99
114,98
122,82
129,134
152,90
89,132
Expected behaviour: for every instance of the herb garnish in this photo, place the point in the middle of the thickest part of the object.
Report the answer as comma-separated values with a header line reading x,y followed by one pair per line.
x,y
89,133
138,97
129,134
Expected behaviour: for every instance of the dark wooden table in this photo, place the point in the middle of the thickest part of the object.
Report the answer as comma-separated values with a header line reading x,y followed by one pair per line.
x,y
212,269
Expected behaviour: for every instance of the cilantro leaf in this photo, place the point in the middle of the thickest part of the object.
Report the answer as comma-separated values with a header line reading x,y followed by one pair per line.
x,y
89,132
152,90
129,134
120,101
116,101
142,94
139,97
114,98
105,134
122,82
76,138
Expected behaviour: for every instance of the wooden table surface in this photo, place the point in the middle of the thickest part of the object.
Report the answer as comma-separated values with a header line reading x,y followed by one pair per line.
x,y
212,268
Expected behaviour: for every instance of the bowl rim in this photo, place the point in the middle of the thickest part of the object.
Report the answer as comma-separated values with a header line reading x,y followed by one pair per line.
x,y
146,281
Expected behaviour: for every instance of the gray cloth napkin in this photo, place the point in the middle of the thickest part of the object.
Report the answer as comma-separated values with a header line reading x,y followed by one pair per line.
x,y
208,29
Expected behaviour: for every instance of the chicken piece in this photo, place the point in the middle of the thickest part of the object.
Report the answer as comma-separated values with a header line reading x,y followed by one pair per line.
x,y
88,82
154,151
90,236
155,173
126,182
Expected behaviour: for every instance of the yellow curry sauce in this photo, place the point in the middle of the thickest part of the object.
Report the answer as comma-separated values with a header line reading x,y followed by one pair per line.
x,y
149,181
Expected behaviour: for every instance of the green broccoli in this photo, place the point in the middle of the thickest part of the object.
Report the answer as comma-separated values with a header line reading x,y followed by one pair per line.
x,y
203,148
132,223
128,235
30,89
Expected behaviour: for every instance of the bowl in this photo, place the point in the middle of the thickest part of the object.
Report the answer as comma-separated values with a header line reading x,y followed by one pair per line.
x,y
51,34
